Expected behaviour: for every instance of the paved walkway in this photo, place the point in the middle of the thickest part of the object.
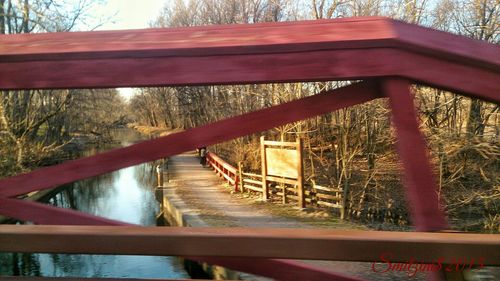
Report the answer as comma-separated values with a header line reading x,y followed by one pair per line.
x,y
205,201
206,194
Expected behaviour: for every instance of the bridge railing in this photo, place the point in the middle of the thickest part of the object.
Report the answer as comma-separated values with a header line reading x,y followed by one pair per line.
x,y
249,247
223,169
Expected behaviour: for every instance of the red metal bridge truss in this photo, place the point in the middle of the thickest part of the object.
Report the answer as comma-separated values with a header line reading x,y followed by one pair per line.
x,y
387,55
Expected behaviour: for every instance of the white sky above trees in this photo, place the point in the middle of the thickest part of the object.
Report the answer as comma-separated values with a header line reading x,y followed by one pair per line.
x,y
130,14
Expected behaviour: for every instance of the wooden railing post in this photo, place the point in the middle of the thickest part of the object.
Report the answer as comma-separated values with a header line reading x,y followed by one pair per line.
x,y
240,176
343,208
300,178
159,175
265,190
283,186
236,180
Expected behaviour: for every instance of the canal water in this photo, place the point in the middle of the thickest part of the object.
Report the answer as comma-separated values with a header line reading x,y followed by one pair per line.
x,y
125,195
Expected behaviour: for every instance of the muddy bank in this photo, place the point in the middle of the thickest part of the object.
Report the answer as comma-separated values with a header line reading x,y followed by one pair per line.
x,y
153,131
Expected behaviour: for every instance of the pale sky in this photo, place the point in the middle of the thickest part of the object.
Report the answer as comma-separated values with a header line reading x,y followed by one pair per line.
x,y
129,14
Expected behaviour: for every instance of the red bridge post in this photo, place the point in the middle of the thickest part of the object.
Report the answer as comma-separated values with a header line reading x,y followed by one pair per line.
x,y
419,180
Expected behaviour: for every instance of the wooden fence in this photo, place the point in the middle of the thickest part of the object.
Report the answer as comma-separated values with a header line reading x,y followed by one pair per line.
x,y
330,197
223,169
315,195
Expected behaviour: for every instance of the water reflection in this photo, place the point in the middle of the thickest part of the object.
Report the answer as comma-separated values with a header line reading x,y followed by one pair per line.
x,y
126,195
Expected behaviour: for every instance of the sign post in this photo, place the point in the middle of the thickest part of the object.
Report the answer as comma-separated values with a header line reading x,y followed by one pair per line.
x,y
265,190
300,175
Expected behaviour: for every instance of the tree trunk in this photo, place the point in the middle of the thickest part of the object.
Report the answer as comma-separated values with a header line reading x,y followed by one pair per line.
x,y
2,17
20,153
475,124
26,17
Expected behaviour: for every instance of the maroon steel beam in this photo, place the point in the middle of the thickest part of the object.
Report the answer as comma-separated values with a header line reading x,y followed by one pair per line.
x,y
419,180
39,213
46,214
70,171
30,278
300,51
451,76
317,244
279,269
302,36
238,39
255,68
318,65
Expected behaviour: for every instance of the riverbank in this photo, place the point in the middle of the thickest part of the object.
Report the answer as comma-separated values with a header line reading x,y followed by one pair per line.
x,y
153,131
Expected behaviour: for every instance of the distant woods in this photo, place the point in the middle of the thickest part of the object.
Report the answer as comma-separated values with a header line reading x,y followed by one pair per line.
x,y
354,147
40,127
36,126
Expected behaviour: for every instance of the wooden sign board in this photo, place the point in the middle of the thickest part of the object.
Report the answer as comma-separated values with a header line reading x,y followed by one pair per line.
x,y
282,162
